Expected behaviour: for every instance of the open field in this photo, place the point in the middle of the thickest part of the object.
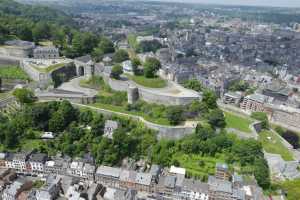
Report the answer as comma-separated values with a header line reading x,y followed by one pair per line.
x,y
148,82
13,72
272,144
238,122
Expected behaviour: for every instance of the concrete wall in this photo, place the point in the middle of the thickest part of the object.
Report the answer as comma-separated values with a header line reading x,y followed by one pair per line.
x,y
8,61
147,95
16,51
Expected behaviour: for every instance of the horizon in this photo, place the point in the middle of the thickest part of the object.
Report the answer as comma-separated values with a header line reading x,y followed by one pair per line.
x,y
261,3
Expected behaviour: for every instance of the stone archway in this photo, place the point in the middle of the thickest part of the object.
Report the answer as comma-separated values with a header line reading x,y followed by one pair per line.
x,y
81,71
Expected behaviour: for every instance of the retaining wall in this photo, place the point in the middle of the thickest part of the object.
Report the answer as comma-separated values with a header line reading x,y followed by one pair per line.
x,y
169,132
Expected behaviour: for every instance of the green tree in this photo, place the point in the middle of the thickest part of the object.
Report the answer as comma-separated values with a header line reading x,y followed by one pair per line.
x,y
85,117
120,56
193,84
261,173
210,99
42,30
216,118
151,66
116,71
106,45
174,114
24,95
135,64
97,125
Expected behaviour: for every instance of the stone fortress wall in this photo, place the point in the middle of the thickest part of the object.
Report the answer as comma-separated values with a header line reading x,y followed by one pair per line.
x,y
148,95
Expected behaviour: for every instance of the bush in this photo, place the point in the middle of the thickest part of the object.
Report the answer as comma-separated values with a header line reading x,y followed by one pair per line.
x,y
261,116
116,71
151,66
175,114
120,56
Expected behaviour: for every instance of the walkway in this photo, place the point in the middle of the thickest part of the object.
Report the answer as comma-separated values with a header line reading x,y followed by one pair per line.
x,y
74,86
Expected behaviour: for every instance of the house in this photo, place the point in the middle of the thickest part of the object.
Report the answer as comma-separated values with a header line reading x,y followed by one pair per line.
x,y
196,190
17,161
108,176
50,190
57,166
76,168
109,128
143,182
3,160
49,52
37,162
15,189
89,171
127,179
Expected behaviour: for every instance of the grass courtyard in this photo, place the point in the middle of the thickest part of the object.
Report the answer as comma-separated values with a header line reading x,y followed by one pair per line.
x,y
237,122
198,166
272,144
156,82
13,72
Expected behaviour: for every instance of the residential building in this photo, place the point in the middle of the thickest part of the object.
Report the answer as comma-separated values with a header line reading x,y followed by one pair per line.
x,y
127,67
108,176
37,162
15,189
50,190
76,168
89,171
17,161
57,166
3,160
254,103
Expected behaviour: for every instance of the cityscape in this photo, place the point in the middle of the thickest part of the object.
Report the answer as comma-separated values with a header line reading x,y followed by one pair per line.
x,y
149,100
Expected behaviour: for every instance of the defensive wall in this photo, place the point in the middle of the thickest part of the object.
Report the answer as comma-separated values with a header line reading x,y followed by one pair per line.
x,y
149,95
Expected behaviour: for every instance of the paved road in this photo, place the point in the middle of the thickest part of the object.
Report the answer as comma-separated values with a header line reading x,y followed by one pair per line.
x,y
74,86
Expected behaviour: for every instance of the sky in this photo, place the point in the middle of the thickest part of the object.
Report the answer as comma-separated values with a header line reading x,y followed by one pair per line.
x,y
279,3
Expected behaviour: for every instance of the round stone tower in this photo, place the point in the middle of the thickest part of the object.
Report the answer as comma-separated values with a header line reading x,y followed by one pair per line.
x,y
132,94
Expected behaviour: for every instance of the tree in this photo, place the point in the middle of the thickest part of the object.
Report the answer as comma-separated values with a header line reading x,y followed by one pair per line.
x,y
24,95
210,99
261,173
97,125
262,117
193,84
151,66
174,115
42,30
120,56
106,45
116,71
204,133
135,64
216,118
85,117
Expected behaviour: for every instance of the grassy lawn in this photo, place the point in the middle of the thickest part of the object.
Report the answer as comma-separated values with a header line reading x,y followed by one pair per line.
x,y
272,144
50,68
237,122
161,121
198,166
148,82
292,189
13,72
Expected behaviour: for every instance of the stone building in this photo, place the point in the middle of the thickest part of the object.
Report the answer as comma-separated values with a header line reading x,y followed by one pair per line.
x,y
232,98
17,48
50,52
84,66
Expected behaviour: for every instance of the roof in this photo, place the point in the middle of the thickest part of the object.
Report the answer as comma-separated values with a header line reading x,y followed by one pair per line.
x,y
108,171
143,178
84,59
170,181
177,170
38,157
88,168
195,186
219,185
20,43
222,166
257,97
128,176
